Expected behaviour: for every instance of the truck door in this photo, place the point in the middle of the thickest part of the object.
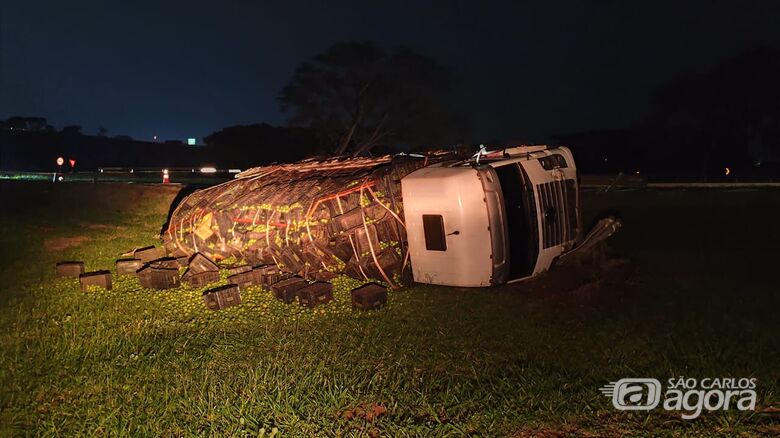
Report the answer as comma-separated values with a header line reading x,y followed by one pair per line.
x,y
521,218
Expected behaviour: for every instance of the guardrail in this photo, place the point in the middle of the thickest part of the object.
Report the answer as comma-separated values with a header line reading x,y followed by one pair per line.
x,y
144,176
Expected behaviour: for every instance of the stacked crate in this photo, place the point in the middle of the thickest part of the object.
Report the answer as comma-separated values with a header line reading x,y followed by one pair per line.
x,y
201,271
336,215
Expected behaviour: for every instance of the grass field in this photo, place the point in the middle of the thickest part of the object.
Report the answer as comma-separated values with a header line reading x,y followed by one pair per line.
x,y
520,360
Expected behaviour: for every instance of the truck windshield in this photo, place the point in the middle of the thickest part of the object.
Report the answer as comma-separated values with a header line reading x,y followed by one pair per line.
x,y
521,219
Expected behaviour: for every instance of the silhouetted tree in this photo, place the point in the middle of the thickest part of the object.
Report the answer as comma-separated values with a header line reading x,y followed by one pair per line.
x,y
27,123
726,109
263,143
357,96
71,130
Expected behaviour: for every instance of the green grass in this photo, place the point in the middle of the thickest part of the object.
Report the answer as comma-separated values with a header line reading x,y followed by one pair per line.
x,y
518,360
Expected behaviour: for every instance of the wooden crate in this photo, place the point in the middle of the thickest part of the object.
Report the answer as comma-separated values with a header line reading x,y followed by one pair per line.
x,y
291,259
149,253
354,218
314,294
200,279
165,263
246,279
271,274
342,248
362,239
325,275
222,296
388,259
266,269
158,278
387,229
128,266
238,269
286,290
369,296
69,269
352,269
96,278
201,263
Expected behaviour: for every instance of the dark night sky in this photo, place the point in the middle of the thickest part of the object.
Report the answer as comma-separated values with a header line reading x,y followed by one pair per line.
x,y
523,70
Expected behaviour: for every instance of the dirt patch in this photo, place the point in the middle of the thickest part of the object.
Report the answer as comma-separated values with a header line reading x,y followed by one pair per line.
x,y
61,243
368,412
580,285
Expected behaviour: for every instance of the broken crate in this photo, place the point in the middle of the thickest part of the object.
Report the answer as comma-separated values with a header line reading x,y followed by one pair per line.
x,y
69,269
315,294
96,278
369,296
222,296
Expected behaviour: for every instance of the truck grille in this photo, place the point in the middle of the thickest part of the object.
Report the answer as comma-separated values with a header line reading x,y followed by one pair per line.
x,y
558,200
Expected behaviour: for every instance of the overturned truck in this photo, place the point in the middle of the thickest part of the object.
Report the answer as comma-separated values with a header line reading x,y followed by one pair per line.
x,y
493,218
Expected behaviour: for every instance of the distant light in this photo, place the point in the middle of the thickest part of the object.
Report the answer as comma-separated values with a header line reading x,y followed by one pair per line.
x,y
60,161
165,171
234,170
208,170
131,170
728,171
637,171
72,162
155,137
59,178
191,141
101,170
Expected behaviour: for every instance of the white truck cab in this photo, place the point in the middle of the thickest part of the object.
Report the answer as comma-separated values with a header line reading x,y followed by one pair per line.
x,y
502,216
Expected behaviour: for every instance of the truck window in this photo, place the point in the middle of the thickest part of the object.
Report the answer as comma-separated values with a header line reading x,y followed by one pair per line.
x,y
433,227
553,161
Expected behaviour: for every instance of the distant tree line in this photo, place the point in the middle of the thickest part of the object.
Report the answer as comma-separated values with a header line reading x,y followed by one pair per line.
x,y
359,99
701,124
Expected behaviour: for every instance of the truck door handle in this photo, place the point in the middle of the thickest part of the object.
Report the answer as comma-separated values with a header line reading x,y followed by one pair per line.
x,y
456,233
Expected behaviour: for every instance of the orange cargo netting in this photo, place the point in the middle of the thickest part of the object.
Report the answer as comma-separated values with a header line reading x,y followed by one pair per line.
x,y
314,218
